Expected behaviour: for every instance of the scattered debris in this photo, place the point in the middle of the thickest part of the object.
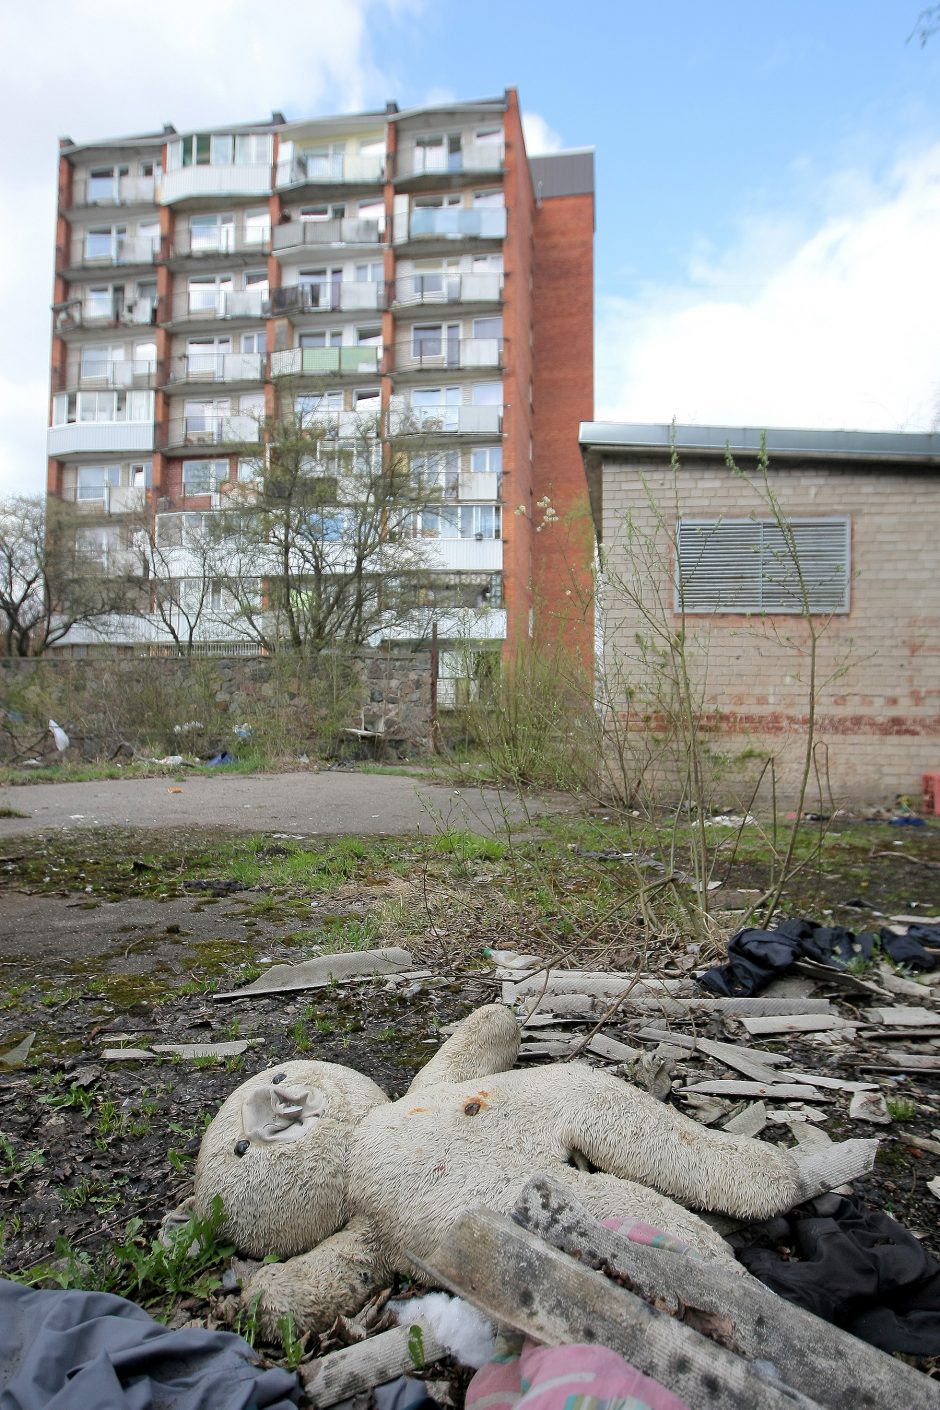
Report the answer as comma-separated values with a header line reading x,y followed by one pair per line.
x,y
869,1106
16,1057
324,970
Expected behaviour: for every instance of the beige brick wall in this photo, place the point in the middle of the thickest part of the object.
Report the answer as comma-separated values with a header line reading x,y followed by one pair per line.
x,y
878,704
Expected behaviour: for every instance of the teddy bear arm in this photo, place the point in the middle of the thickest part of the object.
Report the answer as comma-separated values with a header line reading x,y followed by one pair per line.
x,y
485,1042
313,1289
629,1134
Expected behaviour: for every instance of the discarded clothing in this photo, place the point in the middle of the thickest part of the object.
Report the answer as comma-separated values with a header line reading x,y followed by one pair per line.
x,y
859,1269
558,1377
220,760
755,957
405,1393
64,1350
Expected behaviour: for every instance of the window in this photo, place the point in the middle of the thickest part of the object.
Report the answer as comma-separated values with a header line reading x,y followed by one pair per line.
x,y
439,470
488,199
104,241
253,149
373,210
101,184
211,232
326,211
755,565
95,480
488,328
257,227
204,476
487,394
487,460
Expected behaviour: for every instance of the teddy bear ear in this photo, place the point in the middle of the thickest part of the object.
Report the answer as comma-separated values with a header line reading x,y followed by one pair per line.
x,y
276,1112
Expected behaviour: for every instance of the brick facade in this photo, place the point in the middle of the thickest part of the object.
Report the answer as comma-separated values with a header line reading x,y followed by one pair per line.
x,y
878,706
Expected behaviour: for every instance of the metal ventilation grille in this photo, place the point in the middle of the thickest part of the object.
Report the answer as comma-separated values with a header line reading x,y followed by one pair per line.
x,y
751,565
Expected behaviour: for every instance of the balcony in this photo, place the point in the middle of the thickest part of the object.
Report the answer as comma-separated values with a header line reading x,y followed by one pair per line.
x,y
464,555
205,429
450,354
311,170
106,499
446,421
463,624
473,159
425,224
202,368
101,376
480,484
223,179
299,235
345,295
114,191
139,313
78,436
122,250
222,240
419,290
317,362
210,305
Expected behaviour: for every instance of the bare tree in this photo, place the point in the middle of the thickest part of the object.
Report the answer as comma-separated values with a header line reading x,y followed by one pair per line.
x,y
178,557
326,542
53,578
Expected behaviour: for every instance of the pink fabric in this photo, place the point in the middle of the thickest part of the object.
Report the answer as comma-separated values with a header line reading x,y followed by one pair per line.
x,y
567,1378
641,1233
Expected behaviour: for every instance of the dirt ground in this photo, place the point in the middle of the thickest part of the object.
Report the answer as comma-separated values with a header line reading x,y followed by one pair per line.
x,y
111,935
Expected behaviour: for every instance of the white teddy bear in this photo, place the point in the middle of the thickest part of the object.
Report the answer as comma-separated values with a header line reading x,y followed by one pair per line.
x,y
315,1164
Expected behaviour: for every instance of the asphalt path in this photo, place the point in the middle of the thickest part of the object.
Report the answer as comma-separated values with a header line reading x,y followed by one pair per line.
x,y
328,804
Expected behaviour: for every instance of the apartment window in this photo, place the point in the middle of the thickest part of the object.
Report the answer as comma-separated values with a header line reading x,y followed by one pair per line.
x,y
369,337
373,210
207,292
257,227
253,342
487,460
308,406
370,273
212,232
94,481
104,241
97,358
253,149
488,136
322,338
147,168
103,406
324,211
757,565
483,199
487,394
204,476
102,184
488,328
480,521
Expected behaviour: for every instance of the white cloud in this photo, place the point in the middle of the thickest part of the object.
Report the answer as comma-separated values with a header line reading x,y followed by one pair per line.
x,y
539,137
836,327
118,69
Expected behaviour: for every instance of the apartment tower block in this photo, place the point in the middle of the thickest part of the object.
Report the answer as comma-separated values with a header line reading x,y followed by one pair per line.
x,y
415,263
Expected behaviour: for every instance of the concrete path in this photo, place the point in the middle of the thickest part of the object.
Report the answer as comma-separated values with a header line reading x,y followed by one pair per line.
x,y
326,803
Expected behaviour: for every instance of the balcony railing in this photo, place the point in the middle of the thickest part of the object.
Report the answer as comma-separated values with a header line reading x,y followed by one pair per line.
x,y
224,179
125,372
78,436
216,367
433,353
140,313
114,191
464,555
298,234
312,362
446,420
449,288
198,305
331,297
331,170
205,429
121,250
473,157
451,223
106,499
222,240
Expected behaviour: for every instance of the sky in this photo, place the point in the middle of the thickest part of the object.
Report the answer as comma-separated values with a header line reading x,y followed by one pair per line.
x,y
768,176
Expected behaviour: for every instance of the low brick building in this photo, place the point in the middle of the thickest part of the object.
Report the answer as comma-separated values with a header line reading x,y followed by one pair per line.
x,y
844,524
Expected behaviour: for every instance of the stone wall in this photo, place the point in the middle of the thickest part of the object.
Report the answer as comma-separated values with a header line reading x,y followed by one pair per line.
x,y
879,663
290,704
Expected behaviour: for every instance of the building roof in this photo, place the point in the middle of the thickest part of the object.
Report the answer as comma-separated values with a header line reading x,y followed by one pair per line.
x,y
568,173
628,437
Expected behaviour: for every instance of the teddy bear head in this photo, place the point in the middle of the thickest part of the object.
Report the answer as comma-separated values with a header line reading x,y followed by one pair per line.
x,y
277,1152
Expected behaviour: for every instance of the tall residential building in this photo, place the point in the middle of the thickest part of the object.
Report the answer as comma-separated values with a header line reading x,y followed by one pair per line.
x,y
416,263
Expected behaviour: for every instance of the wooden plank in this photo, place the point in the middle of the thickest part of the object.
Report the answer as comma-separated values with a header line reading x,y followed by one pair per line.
x,y
731,1056
668,1006
905,1016
686,1040
519,1281
812,1356
795,1023
779,1092
613,1050
354,1369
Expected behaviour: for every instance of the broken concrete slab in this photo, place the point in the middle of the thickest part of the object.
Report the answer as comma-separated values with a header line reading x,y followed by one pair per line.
x,y
870,1106
324,970
794,1023
779,1092
749,1122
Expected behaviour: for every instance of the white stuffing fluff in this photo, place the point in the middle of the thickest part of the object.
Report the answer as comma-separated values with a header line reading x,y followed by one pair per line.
x,y
458,1326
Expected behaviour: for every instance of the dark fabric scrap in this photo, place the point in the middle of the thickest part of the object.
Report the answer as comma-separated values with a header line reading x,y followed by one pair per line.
x,y
755,957
64,1350
859,1269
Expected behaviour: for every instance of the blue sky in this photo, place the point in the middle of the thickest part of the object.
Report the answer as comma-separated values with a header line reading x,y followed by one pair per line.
x,y
768,176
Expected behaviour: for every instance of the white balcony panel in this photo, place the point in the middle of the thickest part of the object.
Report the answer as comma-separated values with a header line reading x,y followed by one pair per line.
x,y
462,624
222,367
99,435
480,484
451,223
332,170
127,190
222,180
456,420
464,555
449,288
125,249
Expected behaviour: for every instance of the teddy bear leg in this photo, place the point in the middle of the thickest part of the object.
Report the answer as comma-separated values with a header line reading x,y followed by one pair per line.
x,y
626,1132
486,1041
313,1289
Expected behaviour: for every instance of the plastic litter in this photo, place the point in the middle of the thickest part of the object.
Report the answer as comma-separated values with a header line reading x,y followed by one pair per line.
x,y
219,760
61,738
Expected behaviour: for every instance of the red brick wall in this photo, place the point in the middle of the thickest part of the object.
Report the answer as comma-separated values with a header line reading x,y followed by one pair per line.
x,y
563,311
